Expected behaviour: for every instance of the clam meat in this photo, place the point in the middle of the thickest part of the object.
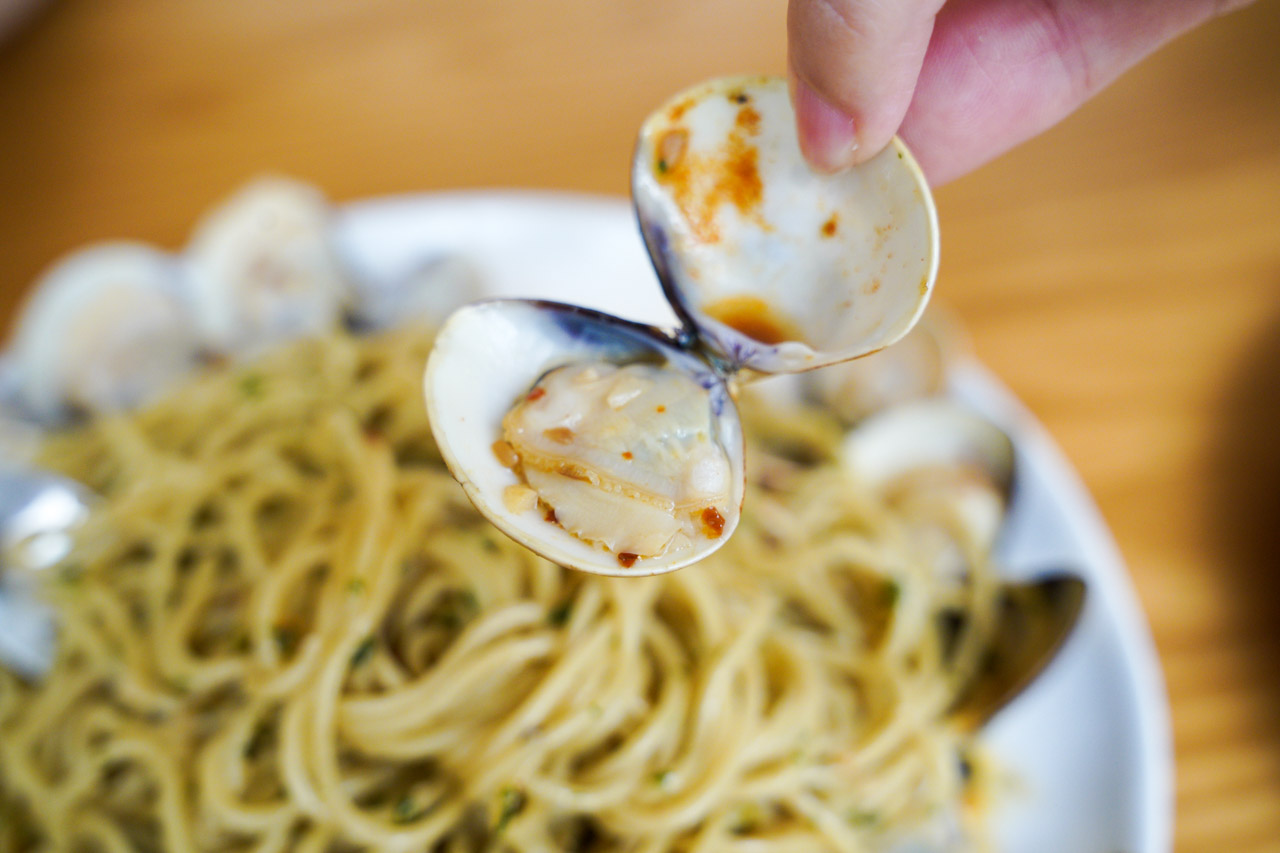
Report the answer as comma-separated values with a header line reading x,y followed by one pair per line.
x,y
599,443
624,456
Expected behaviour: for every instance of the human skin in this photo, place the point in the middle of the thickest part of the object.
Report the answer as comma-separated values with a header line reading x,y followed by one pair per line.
x,y
965,80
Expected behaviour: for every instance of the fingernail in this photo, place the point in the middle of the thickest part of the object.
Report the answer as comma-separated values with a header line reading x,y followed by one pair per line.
x,y
827,135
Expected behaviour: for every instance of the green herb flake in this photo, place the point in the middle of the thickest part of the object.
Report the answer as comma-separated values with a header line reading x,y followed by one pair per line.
x,y
405,810
892,593
863,819
489,544
457,608
662,778
356,586
363,652
663,167
559,615
252,385
71,574
261,738
510,802
285,638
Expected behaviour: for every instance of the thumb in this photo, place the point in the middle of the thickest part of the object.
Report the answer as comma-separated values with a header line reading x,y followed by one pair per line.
x,y
853,68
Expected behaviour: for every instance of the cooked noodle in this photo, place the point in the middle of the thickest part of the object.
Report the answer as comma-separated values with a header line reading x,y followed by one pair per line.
x,y
285,628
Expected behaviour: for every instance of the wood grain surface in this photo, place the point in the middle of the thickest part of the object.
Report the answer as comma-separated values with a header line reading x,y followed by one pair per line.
x,y
1121,272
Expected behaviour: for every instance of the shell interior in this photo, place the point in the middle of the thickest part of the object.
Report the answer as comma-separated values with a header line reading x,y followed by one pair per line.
x,y
780,269
489,355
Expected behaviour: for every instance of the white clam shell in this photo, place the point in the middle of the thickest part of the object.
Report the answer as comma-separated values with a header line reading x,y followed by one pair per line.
x,y
489,354
730,209
262,270
891,446
426,295
105,328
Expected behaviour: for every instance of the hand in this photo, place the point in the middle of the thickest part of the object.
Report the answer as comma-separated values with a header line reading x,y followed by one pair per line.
x,y
964,81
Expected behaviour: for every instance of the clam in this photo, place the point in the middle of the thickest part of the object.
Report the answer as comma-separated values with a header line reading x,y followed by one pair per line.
x,y
945,467
779,268
598,443
426,293
616,448
104,329
262,269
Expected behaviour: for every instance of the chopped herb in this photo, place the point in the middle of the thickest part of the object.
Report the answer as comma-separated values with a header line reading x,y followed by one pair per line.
x,y
510,801
662,777
864,819
405,810
892,593
662,167
900,157
363,652
286,638
966,766
559,615
356,586
71,574
457,608
261,738
489,544
251,385
180,683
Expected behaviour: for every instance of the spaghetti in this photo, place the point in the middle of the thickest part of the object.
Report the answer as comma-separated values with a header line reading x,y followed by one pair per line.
x,y
285,628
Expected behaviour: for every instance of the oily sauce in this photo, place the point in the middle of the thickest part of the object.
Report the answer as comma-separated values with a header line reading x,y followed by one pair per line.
x,y
755,318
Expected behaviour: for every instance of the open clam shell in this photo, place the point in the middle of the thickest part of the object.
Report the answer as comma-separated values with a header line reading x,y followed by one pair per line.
x,y
486,360
104,329
261,268
939,461
780,269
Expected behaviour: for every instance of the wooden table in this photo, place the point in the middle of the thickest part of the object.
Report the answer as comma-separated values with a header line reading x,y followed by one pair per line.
x,y
1121,273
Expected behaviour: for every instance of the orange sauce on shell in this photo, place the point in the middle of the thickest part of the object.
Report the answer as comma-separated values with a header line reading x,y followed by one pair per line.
x,y
755,318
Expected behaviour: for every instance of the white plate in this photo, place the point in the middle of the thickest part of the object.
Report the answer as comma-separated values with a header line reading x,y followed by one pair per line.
x,y
1090,740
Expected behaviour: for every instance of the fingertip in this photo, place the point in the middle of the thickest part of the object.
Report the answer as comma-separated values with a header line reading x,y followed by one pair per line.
x,y
828,135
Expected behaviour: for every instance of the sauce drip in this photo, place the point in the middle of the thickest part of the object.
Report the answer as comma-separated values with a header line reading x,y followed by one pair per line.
x,y
755,318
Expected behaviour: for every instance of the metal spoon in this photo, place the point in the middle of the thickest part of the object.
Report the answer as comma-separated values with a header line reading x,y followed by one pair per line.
x,y
38,511
1035,619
